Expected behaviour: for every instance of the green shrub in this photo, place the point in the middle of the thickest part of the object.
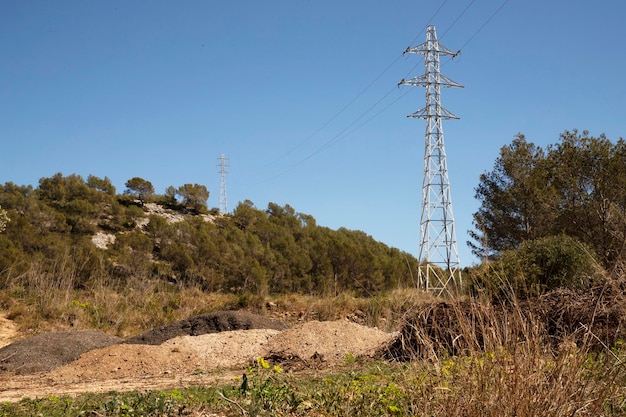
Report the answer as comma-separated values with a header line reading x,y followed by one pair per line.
x,y
539,266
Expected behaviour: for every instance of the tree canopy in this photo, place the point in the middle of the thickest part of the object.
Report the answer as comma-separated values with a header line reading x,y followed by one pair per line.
x,y
260,251
140,188
575,187
194,196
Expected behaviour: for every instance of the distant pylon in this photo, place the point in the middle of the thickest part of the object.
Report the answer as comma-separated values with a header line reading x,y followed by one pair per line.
x,y
223,201
440,267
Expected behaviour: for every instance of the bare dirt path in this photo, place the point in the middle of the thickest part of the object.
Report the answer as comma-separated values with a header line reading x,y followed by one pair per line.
x,y
41,385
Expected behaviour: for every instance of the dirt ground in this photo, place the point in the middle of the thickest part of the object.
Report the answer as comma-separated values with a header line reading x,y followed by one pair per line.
x,y
8,331
207,349
218,347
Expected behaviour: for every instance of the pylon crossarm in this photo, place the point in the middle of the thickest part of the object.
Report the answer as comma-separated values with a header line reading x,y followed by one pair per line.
x,y
427,112
448,82
425,80
430,46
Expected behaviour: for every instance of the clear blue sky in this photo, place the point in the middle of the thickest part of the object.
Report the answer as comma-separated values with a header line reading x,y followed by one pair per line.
x,y
161,89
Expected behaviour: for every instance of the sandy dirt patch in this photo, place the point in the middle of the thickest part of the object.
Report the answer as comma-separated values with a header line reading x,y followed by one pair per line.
x,y
186,360
8,331
179,356
329,342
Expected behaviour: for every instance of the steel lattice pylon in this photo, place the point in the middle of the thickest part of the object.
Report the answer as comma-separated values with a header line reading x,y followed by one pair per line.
x,y
440,268
223,201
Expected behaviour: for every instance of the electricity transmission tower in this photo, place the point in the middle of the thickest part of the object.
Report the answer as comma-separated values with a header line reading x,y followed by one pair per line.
x,y
438,251
222,166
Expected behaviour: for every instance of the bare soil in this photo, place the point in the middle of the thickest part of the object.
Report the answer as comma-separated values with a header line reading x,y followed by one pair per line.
x,y
8,331
216,350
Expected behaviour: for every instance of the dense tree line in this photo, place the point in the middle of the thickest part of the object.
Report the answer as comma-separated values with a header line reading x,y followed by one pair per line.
x,y
275,250
575,188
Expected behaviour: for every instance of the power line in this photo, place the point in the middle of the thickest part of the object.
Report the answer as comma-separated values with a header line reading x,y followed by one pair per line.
x,y
376,114
338,137
335,139
355,98
480,28
457,18
485,24
329,121
429,20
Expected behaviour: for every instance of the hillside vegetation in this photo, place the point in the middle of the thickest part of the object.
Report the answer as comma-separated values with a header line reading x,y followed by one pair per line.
x,y
77,244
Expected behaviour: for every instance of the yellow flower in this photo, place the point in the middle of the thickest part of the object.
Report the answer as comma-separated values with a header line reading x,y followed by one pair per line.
x,y
262,363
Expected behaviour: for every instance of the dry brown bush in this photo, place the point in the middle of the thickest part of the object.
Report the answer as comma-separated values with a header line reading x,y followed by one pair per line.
x,y
595,319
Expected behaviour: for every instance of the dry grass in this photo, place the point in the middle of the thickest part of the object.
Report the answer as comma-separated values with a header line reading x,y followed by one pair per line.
x,y
525,381
539,357
384,312
45,298
559,355
594,319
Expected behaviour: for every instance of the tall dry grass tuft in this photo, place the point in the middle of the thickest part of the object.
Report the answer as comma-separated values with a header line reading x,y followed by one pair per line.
x,y
387,311
383,311
141,305
44,290
520,359
54,298
519,382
